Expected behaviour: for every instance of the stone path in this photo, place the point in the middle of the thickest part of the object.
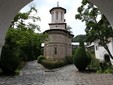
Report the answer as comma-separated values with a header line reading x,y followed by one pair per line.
x,y
35,74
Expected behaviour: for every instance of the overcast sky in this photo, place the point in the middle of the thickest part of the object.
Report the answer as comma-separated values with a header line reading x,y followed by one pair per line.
x,y
43,7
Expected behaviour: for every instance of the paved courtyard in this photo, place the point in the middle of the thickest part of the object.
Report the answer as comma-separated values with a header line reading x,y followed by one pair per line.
x,y
35,74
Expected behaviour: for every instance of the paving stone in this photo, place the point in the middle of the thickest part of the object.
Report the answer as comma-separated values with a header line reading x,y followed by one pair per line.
x,y
34,74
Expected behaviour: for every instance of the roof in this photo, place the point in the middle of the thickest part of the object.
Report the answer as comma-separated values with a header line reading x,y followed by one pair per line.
x,y
58,8
57,31
77,43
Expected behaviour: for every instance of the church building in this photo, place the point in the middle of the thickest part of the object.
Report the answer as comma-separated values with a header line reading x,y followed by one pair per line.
x,y
58,45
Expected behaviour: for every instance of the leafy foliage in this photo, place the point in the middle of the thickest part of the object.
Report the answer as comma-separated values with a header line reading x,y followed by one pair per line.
x,y
26,20
40,58
69,59
9,60
81,59
97,26
22,43
100,66
29,43
68,28
50,64
78,37
94,64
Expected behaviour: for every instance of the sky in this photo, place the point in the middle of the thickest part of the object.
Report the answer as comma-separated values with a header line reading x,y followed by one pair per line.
x,y
43,7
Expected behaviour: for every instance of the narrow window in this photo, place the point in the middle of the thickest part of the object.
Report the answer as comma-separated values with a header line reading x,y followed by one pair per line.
x,y
56,15
55,50
96,47
61,15
52,16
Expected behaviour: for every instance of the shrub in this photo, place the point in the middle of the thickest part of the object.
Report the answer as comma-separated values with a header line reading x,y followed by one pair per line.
x,y
81,59
109,70
69,59
105,66
100,67
9,61
94,64
51,64
23,56
22,64
40,58
74,51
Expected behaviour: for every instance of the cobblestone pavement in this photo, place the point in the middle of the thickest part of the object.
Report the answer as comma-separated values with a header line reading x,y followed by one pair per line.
x,y
35,74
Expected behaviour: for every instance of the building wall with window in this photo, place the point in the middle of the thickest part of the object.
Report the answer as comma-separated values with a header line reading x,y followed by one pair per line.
x,y
57,15
58,45
100,51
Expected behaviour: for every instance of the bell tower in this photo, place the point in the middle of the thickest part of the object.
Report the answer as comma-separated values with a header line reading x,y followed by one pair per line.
x,y
58,44
57,18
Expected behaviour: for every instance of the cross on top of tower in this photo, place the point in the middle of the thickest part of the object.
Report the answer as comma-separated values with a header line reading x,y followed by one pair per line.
x,y
57,3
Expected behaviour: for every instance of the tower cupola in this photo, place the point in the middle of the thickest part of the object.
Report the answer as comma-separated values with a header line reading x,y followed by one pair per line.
x,y
57,18
57,14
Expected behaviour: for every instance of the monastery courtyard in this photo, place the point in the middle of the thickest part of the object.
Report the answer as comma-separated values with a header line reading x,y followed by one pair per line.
x,y
35,74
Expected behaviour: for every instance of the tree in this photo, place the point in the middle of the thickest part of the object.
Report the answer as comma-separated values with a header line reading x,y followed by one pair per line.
x,y
22,43
81,58
97,26
27,20
78,37
68,28
22,36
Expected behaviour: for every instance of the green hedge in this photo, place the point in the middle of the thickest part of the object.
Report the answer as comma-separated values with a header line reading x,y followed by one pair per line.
x,y
81,59
51,64
40,58
69,59
9,61
94,64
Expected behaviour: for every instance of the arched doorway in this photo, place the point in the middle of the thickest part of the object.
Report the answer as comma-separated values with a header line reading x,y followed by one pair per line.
x,y
10,8
106,58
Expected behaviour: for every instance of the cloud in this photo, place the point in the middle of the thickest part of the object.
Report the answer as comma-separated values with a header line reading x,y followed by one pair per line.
x,y
71,6
45,18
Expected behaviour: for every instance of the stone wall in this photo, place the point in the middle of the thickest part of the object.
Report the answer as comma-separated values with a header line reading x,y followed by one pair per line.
x,y
59,42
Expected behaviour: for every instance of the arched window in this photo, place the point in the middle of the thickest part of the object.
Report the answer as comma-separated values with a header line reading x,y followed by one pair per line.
x,y
56,15
106,58
96,47
61,15
55,50
52,16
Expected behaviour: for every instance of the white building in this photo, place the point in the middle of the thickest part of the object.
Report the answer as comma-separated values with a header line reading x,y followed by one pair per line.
x,y
100,51
76,44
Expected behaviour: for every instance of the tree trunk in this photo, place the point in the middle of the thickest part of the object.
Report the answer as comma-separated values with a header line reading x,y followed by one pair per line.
x,y
107,49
